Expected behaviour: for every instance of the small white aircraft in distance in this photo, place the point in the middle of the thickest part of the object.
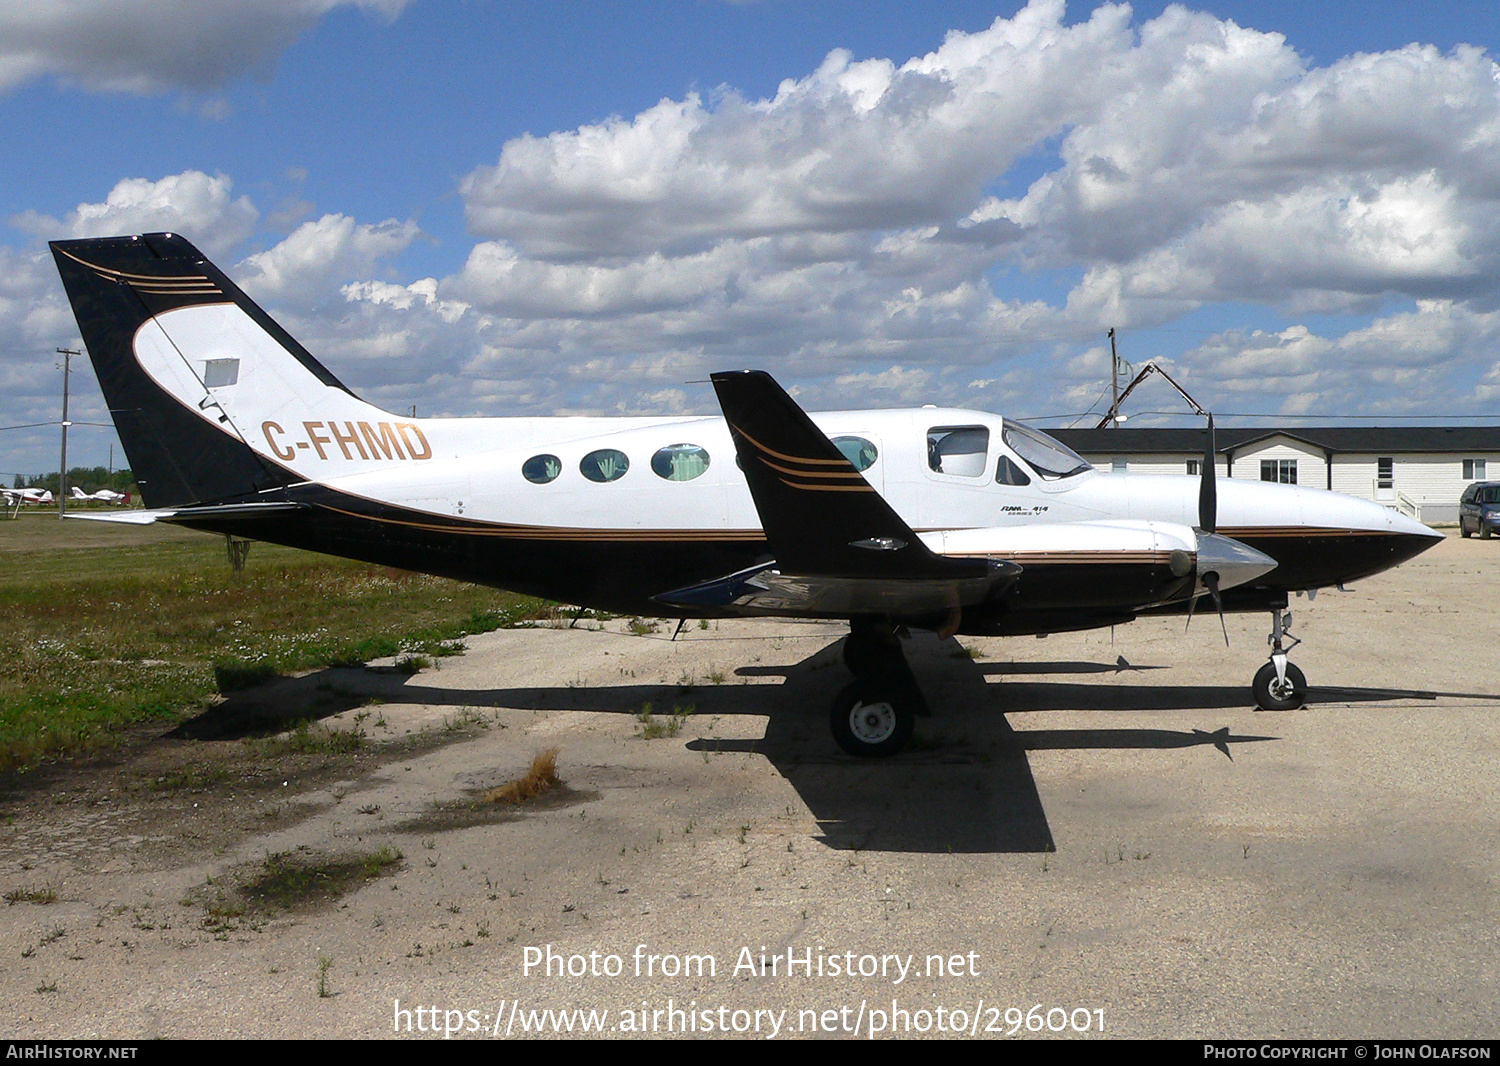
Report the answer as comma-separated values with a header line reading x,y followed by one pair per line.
x,y
956,521
101,496
27,496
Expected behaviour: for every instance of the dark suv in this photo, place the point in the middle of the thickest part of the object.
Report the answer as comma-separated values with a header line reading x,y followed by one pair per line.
x,y
1479,509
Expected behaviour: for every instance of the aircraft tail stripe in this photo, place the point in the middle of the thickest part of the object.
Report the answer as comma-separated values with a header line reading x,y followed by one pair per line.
x,y
811,487
849,474
783,456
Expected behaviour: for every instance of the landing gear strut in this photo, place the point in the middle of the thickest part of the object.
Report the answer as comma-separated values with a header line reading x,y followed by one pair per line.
x,y
1278,685
875,716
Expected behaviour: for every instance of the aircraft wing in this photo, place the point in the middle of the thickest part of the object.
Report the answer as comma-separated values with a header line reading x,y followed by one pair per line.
x,y
840,550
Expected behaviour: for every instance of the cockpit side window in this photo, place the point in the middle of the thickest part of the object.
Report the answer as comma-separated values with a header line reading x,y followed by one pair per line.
x,y
959,450
1046,456
1009,472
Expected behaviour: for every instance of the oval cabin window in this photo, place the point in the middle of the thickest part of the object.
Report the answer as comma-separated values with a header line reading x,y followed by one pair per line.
x,y
858,451
606,464
679,462
540,469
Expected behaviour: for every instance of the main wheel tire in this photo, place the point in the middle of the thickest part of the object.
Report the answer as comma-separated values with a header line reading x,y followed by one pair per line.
x,y
1272,695
870,721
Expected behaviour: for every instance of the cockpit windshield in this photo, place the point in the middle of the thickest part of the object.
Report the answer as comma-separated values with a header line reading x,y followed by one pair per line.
x,y
1046,456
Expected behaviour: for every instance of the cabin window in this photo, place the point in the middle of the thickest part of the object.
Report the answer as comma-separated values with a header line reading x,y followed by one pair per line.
x,y
540,469
958,450
1283,471
1385,473
860,452
1473,469
679,462
606,464
1009,472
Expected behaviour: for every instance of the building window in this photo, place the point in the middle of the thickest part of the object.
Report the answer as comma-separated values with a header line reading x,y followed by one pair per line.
x,y
1473,469
1282,471
1119,466
1385,473
1194,467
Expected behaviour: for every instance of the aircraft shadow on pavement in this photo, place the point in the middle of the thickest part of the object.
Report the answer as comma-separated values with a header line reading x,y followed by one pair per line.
x,y
964,784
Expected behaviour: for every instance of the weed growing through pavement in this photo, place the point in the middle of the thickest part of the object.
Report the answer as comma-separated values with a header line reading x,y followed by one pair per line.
x,y
31,895
653,728
538,780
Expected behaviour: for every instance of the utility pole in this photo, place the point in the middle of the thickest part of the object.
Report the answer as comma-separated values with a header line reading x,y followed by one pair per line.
x,y
62,477
1115,383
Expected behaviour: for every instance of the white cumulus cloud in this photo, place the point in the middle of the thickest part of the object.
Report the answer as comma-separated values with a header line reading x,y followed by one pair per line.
x,y
201,208
151,45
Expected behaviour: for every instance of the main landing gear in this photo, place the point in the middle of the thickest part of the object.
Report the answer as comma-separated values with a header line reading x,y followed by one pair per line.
x,y
876,715
1280,686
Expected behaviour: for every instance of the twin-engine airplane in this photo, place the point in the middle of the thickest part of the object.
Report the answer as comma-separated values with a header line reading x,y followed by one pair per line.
x,y
949,520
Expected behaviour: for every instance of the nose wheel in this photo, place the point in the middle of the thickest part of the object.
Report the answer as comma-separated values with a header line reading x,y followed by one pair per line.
x,y
1279,685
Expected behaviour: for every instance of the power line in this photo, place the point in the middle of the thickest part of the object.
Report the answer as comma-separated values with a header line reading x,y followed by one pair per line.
x,y
39,425
1445,416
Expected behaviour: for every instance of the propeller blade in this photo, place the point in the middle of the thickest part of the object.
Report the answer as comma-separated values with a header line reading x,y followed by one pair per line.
x,y
1208,493
1211,579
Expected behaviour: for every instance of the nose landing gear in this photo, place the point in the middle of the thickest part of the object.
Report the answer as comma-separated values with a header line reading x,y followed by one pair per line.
x,y
1279,685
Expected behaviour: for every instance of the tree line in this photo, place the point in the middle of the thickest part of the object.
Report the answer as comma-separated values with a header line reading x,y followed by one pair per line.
x,y
87,478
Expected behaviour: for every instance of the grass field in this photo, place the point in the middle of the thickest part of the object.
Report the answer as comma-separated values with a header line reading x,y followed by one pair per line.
x,y
104,626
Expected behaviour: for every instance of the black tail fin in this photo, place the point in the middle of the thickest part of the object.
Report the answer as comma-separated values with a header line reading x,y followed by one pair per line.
x,y
820,515
179,456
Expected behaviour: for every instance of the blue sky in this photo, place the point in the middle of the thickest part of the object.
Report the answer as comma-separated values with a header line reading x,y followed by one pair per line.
x,y
488,208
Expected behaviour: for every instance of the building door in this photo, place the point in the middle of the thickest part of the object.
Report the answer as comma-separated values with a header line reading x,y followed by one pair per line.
x,y
1385,480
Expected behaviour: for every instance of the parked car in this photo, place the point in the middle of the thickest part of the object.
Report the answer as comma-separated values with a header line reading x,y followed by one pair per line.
x,y
1479,509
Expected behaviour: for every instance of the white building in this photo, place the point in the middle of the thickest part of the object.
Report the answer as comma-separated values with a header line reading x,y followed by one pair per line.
x,y
1419,470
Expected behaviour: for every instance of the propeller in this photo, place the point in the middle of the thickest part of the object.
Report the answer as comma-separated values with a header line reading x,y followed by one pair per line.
x,y
1208,493
1208,519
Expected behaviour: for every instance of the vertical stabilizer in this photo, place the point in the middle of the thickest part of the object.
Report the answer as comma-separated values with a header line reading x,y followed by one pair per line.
x,y
166,330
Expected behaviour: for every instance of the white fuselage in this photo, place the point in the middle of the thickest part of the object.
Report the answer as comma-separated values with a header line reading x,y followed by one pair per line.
x,y
941,469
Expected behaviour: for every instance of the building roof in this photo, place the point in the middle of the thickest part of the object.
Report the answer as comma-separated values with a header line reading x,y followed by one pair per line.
x,y
1335,439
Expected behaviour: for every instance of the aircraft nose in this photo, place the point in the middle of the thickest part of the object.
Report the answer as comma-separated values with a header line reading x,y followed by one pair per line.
x,y
1369,537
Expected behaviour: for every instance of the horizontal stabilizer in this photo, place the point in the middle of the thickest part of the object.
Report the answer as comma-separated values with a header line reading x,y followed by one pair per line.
x,y
137,517
192,515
